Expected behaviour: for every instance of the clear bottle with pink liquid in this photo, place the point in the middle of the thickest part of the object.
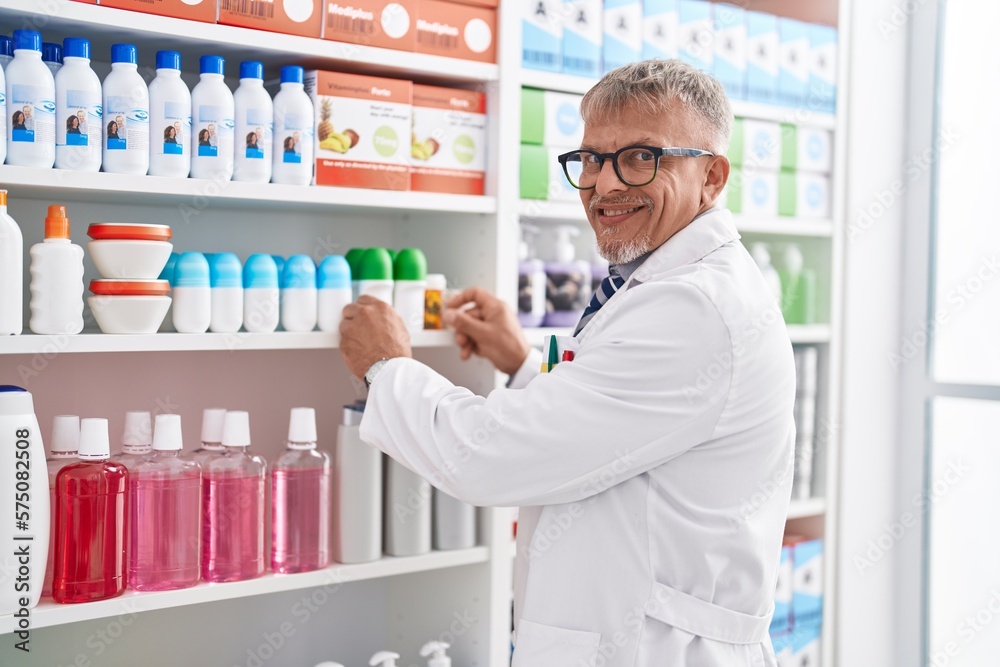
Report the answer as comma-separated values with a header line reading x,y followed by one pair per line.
x,y
91,499
212,421
233,507
137,439
65,443
165,514
300,500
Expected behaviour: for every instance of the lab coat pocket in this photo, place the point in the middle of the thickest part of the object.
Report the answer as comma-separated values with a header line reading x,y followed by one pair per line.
x,y
538,645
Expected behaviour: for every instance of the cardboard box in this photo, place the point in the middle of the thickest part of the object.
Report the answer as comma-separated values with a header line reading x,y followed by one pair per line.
x,y
622,33
87,2
696,34
551,119
806,647
389,24
660,21
807,587
755,144
762,57
804,195
194,10
806,149
492,4
448,146
456,31
754,195
583,37
795,55
782,618
730,59
822,68
363,130
298,17
542,176
542,35
782,644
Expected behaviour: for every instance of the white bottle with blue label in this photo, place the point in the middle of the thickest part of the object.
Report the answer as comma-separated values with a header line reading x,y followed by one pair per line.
x,y
169,119
31,103
254,126
126,114
212,113
293,130
78,109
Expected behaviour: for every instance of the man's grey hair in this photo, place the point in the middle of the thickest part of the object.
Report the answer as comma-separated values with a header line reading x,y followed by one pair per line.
x,y
656,86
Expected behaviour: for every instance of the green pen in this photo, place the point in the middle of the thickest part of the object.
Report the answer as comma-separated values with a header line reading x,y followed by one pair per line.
x,y
553,352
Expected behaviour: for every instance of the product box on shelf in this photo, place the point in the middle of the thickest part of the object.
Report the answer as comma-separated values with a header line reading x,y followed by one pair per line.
x,y
542,35
550,118
302,17
782,644
730,62
389,24
753,194
793,72
822,68
448,146
583,37
87,2
805,648
762,57
806,149
696,33
755,144
456,31
622,32
659,29
542,176
803,195
195,10
807,586
362,127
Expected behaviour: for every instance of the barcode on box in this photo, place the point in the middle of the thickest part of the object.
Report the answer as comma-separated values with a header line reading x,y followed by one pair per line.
x,y
257,8
437,41
347,24
539,57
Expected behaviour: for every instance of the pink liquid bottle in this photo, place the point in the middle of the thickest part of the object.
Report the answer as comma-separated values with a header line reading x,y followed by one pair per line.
x,y
233,507
165,515
91,498
137,439
65,445
212,421
300,500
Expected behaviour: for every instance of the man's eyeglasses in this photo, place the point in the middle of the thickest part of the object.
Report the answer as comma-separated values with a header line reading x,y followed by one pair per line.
x,y
635,165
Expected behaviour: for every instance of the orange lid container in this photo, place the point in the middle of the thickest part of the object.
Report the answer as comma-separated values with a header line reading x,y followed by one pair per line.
x,y
130,287
128,231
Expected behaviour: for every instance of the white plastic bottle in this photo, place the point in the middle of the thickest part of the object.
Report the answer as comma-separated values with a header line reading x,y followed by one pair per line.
x,y
298,294
436,654
375,274
384,659
52,56
409,274
226,279
6,51
56,279
454,523
169,119
254,126
3,115
293,130
407,509
125,125
78,109
357,493
212,113
260,294
212,422
333,289
31,104
192,292
762,258
11,272
23,546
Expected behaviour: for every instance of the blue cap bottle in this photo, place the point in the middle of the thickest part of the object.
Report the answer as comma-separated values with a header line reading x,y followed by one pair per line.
x,y
226,277
76,47
124,53
27,40
212,65
168,60
298,294
192,293
333,280
260,294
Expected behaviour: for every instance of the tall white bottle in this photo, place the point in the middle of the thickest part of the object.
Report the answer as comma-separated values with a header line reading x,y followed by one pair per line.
x,y
169,119
3,115
254,126
126,114
6,51
52,56
56,279
293,130
11,272
78,109
31,101
212,113
762,258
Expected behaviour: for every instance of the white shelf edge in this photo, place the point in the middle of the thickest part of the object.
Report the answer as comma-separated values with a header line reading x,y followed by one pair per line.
x,y
48,613
801,509
176,342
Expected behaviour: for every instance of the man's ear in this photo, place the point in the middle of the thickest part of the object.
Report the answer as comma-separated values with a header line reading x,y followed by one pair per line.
x,y
716,178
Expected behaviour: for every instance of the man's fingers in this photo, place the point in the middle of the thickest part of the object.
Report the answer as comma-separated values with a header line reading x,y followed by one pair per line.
x,y
476,295
472,327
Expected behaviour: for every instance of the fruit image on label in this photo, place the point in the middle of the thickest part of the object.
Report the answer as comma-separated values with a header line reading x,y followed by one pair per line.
x,y
464,149
386,141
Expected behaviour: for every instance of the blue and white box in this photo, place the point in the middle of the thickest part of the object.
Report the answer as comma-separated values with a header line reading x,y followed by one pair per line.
x,y
782,644
696,34
807,587
753,194
762,57
583,36
823,68
806,647
730,63
659,29
782,618
622,32
795,57
542,35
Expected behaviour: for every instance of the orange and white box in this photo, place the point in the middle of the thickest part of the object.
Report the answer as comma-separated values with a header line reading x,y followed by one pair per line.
x,y
457,30
194,10
389,24
362,130
448,147
478,3
292,17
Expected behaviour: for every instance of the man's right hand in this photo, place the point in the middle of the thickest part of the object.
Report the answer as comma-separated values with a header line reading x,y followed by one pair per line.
x,y
488,328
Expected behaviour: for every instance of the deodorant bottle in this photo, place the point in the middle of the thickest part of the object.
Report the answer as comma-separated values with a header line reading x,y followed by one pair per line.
x,y
410,282
333,283
192,294
375,274
226,278
260,294
63,447
298,294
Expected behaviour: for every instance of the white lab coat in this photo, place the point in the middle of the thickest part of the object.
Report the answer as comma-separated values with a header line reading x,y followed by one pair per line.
x,y
653,472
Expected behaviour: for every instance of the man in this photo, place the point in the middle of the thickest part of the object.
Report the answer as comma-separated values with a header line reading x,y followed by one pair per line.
x,y
654,470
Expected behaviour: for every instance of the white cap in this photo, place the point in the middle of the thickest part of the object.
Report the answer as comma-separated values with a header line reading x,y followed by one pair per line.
x,y
760,254
329,664
94,444
167,436
438,649
436,281
793,258
236,430
302,428
65,434
212,420
384,658
138,430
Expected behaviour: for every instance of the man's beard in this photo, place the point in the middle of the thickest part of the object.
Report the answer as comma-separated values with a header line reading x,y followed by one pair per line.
x,y
620,251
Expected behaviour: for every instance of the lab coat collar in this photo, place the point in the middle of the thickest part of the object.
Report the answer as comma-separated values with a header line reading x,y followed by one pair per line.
x,y
710,230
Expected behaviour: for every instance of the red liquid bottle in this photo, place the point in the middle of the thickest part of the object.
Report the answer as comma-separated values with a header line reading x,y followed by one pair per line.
x,y
63,445
91,499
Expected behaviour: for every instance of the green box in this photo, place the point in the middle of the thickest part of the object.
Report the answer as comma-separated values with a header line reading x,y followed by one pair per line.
x,y
534,172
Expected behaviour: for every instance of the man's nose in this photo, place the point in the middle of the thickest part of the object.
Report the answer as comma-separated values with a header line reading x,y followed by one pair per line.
x,y
607,179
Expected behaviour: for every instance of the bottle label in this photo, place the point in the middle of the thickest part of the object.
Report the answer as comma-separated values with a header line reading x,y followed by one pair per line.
x,y
296,129
258,138
176,128
32,114
3,113
126,127
81,116
214,131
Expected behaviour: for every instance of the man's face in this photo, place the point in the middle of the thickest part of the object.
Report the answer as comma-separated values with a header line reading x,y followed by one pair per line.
x,y
211,129
80,115
631,221
27,112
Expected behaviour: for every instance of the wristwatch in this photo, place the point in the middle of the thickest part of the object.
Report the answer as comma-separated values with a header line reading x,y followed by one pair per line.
x,y
373,371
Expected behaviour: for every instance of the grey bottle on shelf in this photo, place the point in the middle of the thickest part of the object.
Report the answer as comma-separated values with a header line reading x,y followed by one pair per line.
x,y
407,511
454,523
357,493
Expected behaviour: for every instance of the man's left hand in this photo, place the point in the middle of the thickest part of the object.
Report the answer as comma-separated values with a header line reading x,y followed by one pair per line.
x,y
371,330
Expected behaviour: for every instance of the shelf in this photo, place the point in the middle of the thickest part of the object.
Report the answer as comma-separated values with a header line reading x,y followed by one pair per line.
x,y
801,509
798,333
176,342
104,26
48,613
568,83
99,187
